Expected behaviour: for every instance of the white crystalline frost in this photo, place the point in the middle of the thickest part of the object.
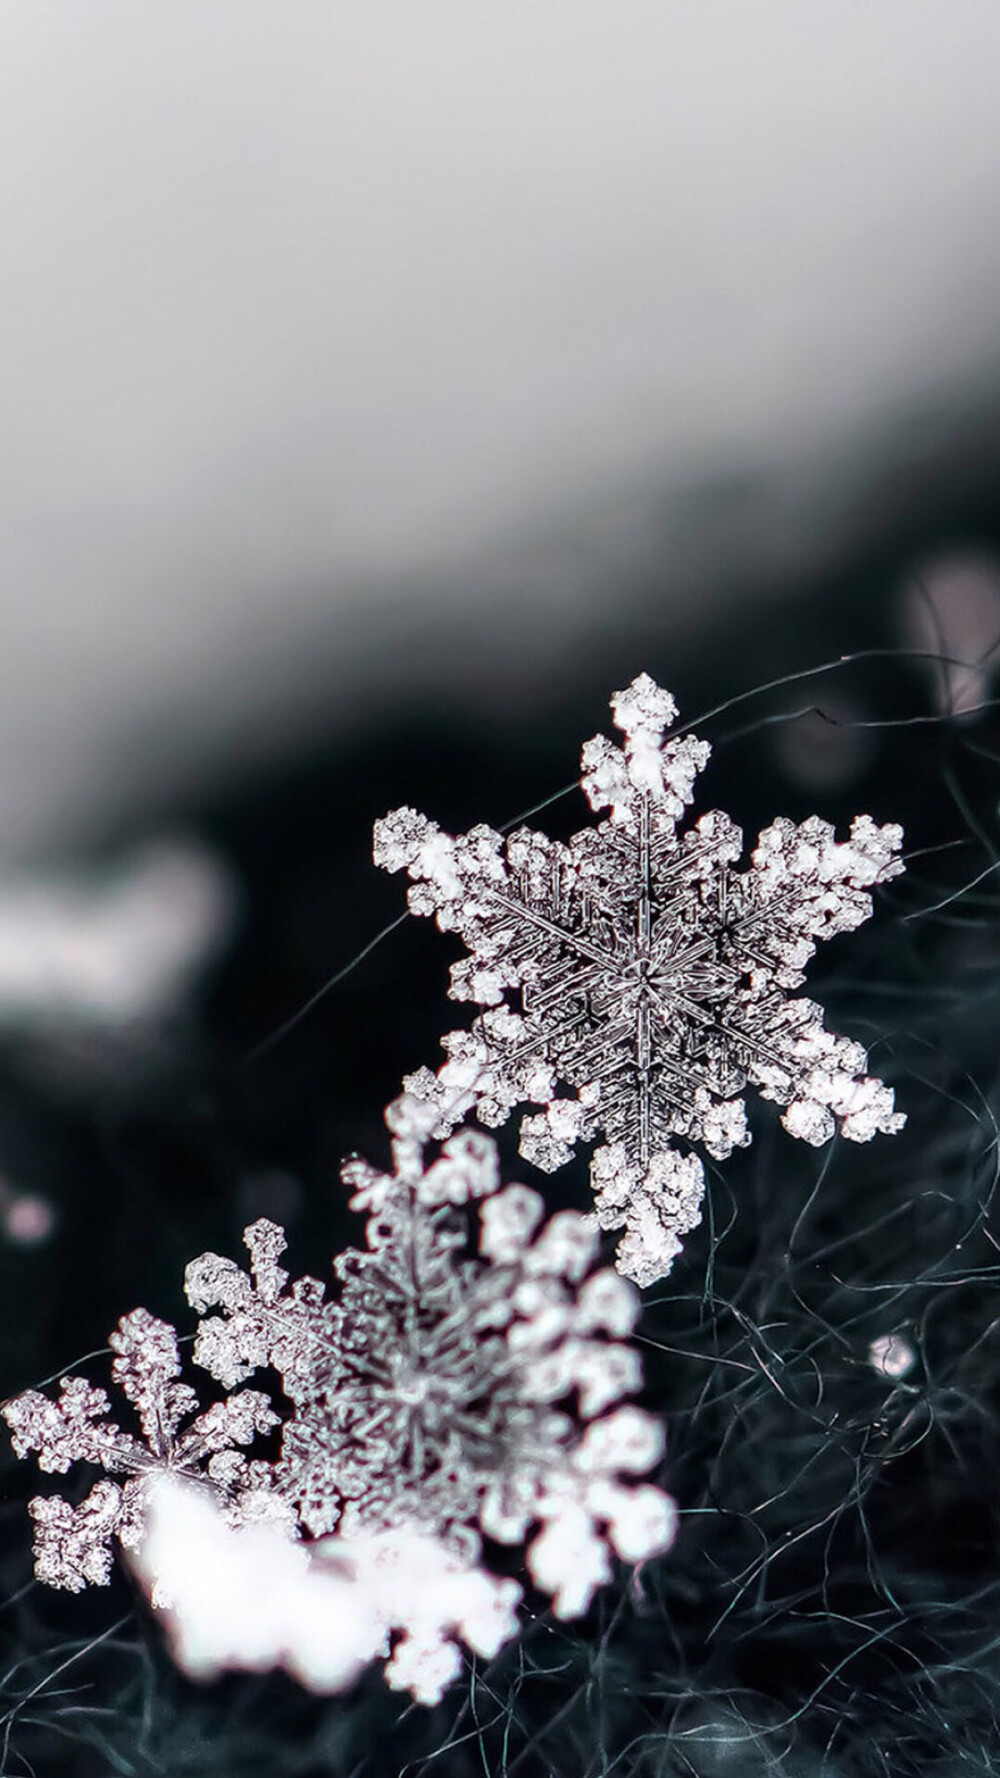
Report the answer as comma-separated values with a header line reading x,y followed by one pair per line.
x,y
633,983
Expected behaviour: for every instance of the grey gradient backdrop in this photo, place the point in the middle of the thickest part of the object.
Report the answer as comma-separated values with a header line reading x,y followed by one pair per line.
x,y
352,347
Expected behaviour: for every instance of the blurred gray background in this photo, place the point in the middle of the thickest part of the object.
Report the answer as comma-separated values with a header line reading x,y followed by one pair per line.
x,y
351,351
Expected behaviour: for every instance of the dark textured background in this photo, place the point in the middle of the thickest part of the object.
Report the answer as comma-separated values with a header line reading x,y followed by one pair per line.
x,y
829,1605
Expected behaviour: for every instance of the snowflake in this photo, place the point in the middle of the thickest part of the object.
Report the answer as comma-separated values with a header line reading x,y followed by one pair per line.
x,y
435,1395
73,1544
449,1393
634,983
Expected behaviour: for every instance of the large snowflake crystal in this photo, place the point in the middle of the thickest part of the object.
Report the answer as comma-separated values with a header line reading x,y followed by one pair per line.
x,y
74,1544
634,983
450,1392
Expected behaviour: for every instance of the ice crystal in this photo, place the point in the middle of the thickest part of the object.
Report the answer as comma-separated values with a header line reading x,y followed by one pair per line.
x,y
634,983
74,1544
452,1393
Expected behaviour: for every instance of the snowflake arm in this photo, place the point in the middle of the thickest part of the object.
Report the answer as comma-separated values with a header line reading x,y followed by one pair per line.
x,y
646,769
261,1323
655,1207
74,1545
73,1429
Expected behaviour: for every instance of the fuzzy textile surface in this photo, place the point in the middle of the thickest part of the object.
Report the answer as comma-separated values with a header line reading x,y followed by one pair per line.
x,y
824,1355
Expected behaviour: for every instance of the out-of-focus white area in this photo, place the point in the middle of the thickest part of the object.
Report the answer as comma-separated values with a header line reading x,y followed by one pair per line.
x,y
343,345
26,1219
115,949
892,1356
251,1599
951,611
828,744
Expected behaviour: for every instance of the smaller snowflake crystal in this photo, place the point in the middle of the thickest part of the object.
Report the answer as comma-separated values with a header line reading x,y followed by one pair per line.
x,y
464,1384
454,1394
74,1544
633,983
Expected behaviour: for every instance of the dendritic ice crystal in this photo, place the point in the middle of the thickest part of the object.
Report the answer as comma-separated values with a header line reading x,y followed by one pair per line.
x,y
463,1385
634,982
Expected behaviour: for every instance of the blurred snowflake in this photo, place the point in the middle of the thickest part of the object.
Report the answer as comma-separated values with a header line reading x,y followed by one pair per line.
x,y
245,1597
452,1393
73,1544
650,978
